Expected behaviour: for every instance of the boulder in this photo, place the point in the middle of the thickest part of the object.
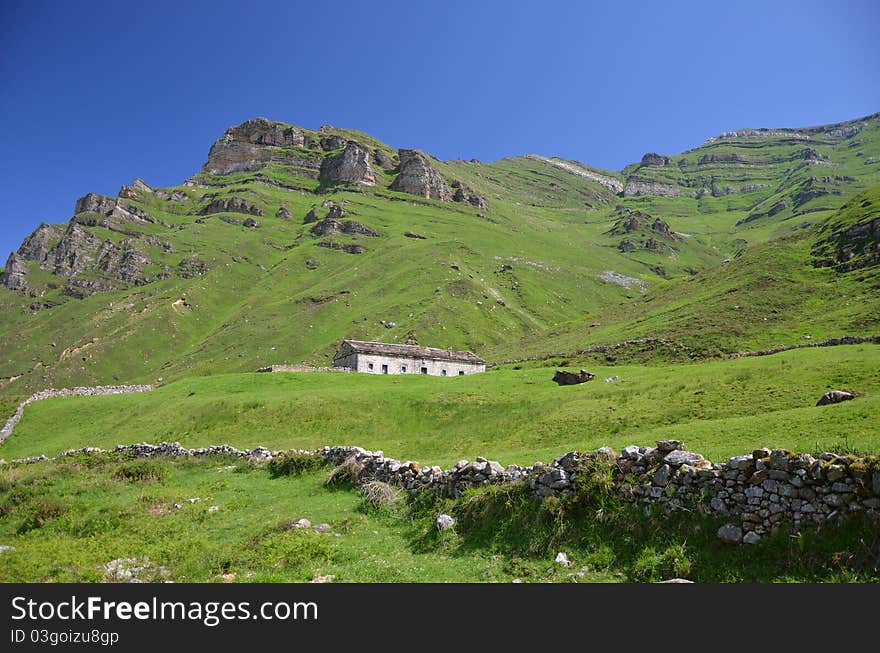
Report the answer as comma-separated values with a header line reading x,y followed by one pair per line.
x,y
282,213
572,378
730,534
835,397
665,446
444,521
679,458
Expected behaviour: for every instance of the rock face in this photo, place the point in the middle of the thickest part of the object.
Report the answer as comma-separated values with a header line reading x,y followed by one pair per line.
x,y
14,276
653,159
418,177
572,378
855,247
256,142
708,159
351,166
467,195
39,245
636,186
383,160
94,203
232,205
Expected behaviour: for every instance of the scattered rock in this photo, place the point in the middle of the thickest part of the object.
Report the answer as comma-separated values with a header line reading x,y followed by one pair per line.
x,y
322,528
562,559
731,534
329,578
751,538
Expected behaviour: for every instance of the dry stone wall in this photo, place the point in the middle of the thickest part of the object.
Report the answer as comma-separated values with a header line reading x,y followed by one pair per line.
x,y
757,492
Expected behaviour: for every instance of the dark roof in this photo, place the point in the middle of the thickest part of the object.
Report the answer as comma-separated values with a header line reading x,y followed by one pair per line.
x,y
412,351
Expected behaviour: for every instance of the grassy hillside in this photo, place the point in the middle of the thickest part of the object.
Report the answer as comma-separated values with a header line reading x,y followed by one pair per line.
x,y
718,408
530,273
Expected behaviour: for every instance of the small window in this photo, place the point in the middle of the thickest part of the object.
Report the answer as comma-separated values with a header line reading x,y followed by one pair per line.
x,y
461,372
384,369
369,366
403,369
424,370
442,372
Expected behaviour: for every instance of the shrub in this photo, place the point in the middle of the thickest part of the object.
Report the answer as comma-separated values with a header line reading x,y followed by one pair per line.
x,y
141,471
652,566
39,512
292,463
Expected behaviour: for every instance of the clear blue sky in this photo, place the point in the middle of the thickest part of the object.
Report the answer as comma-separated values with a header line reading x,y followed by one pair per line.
x,y
93,94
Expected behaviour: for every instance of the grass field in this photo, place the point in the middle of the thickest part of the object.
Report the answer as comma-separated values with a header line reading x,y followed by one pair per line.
x,y
222,520
719,408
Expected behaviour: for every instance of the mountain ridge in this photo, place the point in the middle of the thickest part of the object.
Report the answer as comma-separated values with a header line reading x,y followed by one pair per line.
x,y
291,226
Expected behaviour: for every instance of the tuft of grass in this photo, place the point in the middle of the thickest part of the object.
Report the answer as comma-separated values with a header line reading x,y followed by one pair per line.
x,y
379,495
292,463
346,474
141,471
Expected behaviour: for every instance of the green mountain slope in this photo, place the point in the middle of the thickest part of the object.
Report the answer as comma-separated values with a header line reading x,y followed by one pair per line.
x,y
291,239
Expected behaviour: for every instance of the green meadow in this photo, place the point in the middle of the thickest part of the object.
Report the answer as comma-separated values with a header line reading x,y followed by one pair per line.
x,y
719,408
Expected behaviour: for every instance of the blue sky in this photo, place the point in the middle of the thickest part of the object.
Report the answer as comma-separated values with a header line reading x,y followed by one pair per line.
x,y
93,94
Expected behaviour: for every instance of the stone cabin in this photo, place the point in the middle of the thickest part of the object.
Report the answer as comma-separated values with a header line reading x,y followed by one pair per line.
x,y
384,358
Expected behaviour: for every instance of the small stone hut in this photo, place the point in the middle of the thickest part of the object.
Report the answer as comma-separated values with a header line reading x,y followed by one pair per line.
x,y
385,358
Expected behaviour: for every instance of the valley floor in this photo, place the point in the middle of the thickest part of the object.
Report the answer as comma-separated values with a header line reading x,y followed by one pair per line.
x,y
100,518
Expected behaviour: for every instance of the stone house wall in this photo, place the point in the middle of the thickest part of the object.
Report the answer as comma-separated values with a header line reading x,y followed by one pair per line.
x,y
378,364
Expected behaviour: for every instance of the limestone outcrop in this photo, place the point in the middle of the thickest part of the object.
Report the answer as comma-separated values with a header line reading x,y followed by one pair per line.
x,y
232,204
418,177
654,159
256,142
643,186
351,166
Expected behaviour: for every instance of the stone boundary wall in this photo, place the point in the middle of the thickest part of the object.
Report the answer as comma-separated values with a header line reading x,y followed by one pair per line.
x,y
80,391
757,492
301,368
600,349
831,342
